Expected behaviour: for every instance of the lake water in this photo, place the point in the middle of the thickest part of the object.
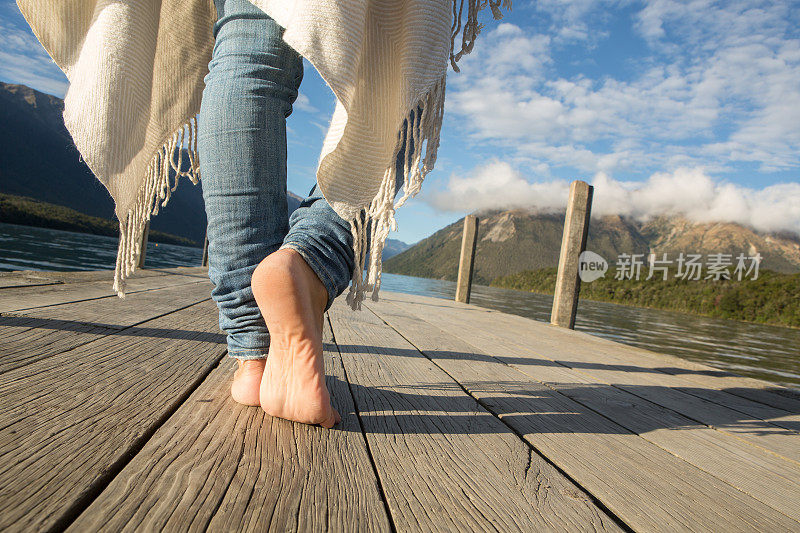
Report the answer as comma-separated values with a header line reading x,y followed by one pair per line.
x,y
29,248
767,352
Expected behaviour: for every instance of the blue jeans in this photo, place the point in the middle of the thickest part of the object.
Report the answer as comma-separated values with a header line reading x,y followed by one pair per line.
x,y
252,82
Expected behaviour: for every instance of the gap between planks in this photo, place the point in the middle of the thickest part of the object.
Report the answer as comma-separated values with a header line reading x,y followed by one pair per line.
x,y
499,396
38,333
20,299
767,427
70,421
221,466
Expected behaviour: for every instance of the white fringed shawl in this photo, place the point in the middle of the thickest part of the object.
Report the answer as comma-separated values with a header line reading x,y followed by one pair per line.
x,y
136,71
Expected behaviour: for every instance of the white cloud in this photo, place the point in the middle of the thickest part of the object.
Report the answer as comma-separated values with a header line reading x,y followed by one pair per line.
x,y
718,86
497,186
686,191
570,18
303,103
23,60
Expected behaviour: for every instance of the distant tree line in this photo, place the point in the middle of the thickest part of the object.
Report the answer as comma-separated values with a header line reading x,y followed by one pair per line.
x,y
29,212
773,298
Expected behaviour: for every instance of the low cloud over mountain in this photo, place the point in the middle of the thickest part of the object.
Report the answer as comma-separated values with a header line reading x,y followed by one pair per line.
x,y
688,192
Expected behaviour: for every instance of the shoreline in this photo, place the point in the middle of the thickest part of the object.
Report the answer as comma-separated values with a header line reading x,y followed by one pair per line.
x,y
654,308
26,211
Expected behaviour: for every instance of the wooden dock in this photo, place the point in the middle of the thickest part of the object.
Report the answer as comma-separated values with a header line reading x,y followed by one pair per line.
x,y
116,415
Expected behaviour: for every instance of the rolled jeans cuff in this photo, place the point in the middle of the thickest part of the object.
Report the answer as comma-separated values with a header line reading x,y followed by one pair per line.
x,y
248,354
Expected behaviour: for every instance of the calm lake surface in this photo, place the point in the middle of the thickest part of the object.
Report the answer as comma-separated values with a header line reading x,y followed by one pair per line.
x,y
765,352
29,248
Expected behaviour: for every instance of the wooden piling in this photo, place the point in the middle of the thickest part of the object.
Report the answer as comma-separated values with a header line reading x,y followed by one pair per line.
x,y
573,243
467,262
145,236
205,251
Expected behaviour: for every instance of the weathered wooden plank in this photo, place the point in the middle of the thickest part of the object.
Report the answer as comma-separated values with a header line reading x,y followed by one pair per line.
x,y
725,412
660,359
758,398
694,374
12,282
444,462
33,277
765,476
42,332
768,427
762,425
17,299
218,465
647,487
23,341
70,421
21,277
119,313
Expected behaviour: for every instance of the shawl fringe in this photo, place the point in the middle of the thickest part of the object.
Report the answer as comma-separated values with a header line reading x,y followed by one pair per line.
x,y
370,227
154,194
424,125
471,28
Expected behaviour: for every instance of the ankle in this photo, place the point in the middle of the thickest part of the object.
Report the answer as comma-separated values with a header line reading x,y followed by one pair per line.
x,y
287,264
250,366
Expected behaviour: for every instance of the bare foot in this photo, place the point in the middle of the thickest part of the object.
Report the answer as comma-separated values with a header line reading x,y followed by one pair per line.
x,y
292,300
247,381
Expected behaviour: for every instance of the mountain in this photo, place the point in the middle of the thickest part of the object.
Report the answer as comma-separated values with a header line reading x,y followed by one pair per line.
x,y
394,247
39,160
516,240
781,251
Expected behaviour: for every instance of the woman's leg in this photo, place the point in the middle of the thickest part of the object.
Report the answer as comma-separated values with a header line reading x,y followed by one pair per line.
x,y
252,81
323,238
294,286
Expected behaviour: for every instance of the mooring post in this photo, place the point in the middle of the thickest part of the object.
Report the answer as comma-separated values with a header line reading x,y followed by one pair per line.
x,y
573,243
467,261
143,248
205,251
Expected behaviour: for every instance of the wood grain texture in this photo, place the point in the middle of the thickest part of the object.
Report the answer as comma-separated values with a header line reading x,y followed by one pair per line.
x,y
767,477
573,243
768,427
466,262
119,313
132,428
221,466
756,390
37,333
23,340
21,298
757,398
25,281
68,421
86,276
444,462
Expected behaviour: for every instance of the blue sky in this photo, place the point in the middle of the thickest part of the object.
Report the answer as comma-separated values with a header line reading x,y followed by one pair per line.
x,y
665,106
